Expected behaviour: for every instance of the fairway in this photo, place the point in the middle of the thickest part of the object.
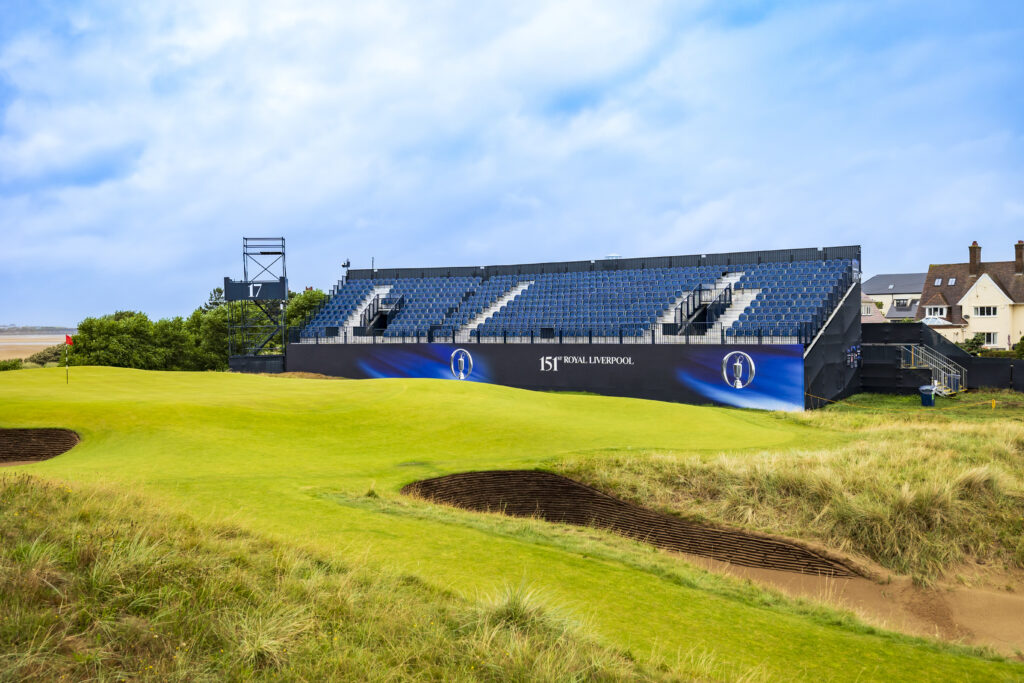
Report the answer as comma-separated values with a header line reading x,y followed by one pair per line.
x,y
320,464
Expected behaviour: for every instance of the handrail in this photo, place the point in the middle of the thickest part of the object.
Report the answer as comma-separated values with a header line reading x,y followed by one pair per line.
x,y
370,311
835,303
698,333
691,302
719,305
952,377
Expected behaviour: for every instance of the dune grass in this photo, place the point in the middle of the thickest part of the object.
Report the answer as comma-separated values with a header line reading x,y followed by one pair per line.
x,y
91,589
283,458
918,491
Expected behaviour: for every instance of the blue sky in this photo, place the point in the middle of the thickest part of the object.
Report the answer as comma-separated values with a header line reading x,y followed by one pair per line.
x,y
140,141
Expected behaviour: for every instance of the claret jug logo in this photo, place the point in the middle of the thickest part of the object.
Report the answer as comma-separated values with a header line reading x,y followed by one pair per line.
x,y
461,363
737,369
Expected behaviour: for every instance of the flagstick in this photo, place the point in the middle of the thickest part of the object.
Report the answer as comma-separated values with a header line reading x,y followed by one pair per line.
x,y
67,379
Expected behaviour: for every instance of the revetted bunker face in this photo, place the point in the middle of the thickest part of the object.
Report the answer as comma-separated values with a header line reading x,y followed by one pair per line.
x,y
32,445
558,499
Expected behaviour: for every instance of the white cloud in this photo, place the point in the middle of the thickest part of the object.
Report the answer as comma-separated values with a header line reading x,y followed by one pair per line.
x,y
144,142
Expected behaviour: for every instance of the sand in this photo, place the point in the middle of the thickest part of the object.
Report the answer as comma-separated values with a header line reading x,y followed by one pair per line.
x,y
24,345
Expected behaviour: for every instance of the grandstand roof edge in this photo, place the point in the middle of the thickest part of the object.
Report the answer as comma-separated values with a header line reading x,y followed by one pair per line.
x,y
724,258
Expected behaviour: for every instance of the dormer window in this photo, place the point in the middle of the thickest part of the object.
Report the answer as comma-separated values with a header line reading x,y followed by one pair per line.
x,y
935,312
901,303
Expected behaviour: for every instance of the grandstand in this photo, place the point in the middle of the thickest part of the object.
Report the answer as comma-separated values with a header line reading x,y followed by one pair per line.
x,y
778,330
772,298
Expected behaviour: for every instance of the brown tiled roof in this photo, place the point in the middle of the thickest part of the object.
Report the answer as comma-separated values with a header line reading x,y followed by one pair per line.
x,y
874,315
1001,272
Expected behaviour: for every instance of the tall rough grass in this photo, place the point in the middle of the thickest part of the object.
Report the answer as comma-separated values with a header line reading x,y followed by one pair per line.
x,y
919,494
93,586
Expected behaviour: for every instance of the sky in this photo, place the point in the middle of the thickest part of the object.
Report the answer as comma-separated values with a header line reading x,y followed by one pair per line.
x,y
139,142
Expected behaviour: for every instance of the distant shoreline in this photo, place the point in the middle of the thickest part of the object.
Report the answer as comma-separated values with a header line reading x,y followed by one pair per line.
x,y
24,345
36,331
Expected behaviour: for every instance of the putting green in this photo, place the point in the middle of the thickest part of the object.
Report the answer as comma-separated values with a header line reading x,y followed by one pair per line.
x,y
268,452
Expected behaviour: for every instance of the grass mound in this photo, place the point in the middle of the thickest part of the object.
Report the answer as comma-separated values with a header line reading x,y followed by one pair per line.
x,y
91,589
182,440
917,492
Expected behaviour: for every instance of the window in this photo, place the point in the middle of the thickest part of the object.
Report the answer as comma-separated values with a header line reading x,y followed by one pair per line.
x,y
984,311
938,282
901,303
991,338
951,281
891,286
865,309
935,312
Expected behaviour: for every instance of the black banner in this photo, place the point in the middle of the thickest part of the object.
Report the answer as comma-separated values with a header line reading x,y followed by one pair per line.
x,y
769,377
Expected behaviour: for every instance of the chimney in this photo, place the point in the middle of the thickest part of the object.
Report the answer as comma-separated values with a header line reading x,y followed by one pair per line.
x,y
975,250
1018,261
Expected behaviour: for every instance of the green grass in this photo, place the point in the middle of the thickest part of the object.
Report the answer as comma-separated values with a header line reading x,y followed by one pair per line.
x,y
285,459
92,589
919,491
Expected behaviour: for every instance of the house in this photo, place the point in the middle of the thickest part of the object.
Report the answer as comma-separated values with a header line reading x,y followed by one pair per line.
x,y
961,300
869,312
899,293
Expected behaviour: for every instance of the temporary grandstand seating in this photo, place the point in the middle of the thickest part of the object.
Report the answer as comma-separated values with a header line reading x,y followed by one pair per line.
x,y
596,303
339,307
774,300
428,301
791,297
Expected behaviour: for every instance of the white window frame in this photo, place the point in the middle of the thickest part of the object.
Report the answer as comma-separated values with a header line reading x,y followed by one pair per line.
x,y
986,311
935,311
991,338
905,303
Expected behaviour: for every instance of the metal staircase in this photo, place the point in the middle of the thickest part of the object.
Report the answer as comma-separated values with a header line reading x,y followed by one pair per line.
x,y
949,377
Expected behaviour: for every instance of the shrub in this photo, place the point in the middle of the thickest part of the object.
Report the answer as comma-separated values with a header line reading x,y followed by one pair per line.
x,y
12,364
973,345
51,354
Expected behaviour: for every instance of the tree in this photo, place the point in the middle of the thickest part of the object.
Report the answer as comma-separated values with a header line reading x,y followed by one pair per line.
x,y
124,340
302,305
973,345
1018,348
208,333
173,347
128,339
216,299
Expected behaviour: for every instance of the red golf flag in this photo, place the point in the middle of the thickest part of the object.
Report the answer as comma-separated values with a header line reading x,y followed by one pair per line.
x,y
68,340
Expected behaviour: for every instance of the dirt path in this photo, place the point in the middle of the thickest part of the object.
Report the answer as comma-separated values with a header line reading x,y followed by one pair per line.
x,y
974,616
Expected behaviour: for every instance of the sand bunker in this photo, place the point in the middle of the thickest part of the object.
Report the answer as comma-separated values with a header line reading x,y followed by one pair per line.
x,y
967,615
19,446
557,499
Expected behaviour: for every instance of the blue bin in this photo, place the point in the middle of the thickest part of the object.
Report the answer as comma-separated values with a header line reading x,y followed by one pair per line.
x,y
927,396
